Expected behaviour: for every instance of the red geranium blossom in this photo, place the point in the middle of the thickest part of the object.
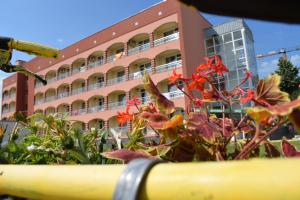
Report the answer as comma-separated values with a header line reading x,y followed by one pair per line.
x,y
134,101
248,97
123,117
248,74
175,77
198,82
216,64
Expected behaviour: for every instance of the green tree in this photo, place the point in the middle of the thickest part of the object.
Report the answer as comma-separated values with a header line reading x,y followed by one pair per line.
x,y
290,78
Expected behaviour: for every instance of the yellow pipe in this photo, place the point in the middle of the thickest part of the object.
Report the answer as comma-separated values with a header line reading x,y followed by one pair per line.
x,y
255,179
34,48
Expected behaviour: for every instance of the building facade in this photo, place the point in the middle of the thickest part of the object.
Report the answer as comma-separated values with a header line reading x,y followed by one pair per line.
x,y
93,78
234,42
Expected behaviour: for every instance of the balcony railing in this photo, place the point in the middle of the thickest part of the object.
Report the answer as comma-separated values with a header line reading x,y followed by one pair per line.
x,y
123,129
5,111
116,105
78,90
139,74
95,109
114,81
166,39
63,75
96,64
38,84
78,112
114,57
138,49
51,80
62,95
47,99
12,95
78,70
174,94
39,102
169,66
6,97
95,86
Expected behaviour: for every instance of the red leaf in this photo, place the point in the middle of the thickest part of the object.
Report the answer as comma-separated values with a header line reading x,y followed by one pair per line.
x,y
289,150
199,122
126,155
156,120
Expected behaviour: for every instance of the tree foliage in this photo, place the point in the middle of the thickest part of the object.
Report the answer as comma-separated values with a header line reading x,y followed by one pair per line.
x,y
290,79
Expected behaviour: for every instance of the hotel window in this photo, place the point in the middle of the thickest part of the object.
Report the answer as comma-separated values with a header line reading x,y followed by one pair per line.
x,y
237,35
121,99
167,33
120,76
227,37
173,58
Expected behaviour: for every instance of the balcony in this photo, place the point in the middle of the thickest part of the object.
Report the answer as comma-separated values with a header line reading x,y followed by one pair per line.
x,y
62,95
116,105
78,90
38,84
174,94
51,98
169,66
6,97
115,80
39,102
63,75
123,129
78,70
95,109
96,86
166,39
78,112
12,95
96,64
138,49
51,80
139,74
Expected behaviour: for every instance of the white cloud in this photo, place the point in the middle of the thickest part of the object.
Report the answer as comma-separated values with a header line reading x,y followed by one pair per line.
x,y
265,68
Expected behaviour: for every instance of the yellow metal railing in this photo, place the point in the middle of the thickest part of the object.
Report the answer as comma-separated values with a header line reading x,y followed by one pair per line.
x,y
254,179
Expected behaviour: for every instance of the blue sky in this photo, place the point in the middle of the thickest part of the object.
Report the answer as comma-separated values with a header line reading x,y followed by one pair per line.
x,y
60,23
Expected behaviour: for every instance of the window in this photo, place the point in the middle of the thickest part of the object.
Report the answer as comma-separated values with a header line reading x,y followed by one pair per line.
x,y
144,42
144,67
120,76
240,53
121,99
119,50
101,124
100,79
167,33
237,35
238,44
173,58
218,40
209,42
227,37
100,102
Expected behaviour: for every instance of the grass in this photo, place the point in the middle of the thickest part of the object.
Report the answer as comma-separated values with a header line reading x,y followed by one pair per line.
x,y
277,144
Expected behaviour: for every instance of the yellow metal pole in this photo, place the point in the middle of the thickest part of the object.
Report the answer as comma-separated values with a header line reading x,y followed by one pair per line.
x,y
254,179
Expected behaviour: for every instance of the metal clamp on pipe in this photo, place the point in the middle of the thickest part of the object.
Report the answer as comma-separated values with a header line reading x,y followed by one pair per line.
x,y
132,179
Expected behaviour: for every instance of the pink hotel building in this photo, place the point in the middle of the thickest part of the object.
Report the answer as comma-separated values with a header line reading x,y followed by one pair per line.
x,y
93,78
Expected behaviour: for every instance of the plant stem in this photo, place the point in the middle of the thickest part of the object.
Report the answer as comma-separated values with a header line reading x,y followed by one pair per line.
x,y
256,143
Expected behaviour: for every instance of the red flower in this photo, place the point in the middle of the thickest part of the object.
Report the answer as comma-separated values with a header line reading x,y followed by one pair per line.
x,y
249,96
202,67
198,82
175,77
123,117
248,74
216,64
134,101
198,102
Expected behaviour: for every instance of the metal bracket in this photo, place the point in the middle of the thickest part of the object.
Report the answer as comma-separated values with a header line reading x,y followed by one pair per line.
x,y
132,179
